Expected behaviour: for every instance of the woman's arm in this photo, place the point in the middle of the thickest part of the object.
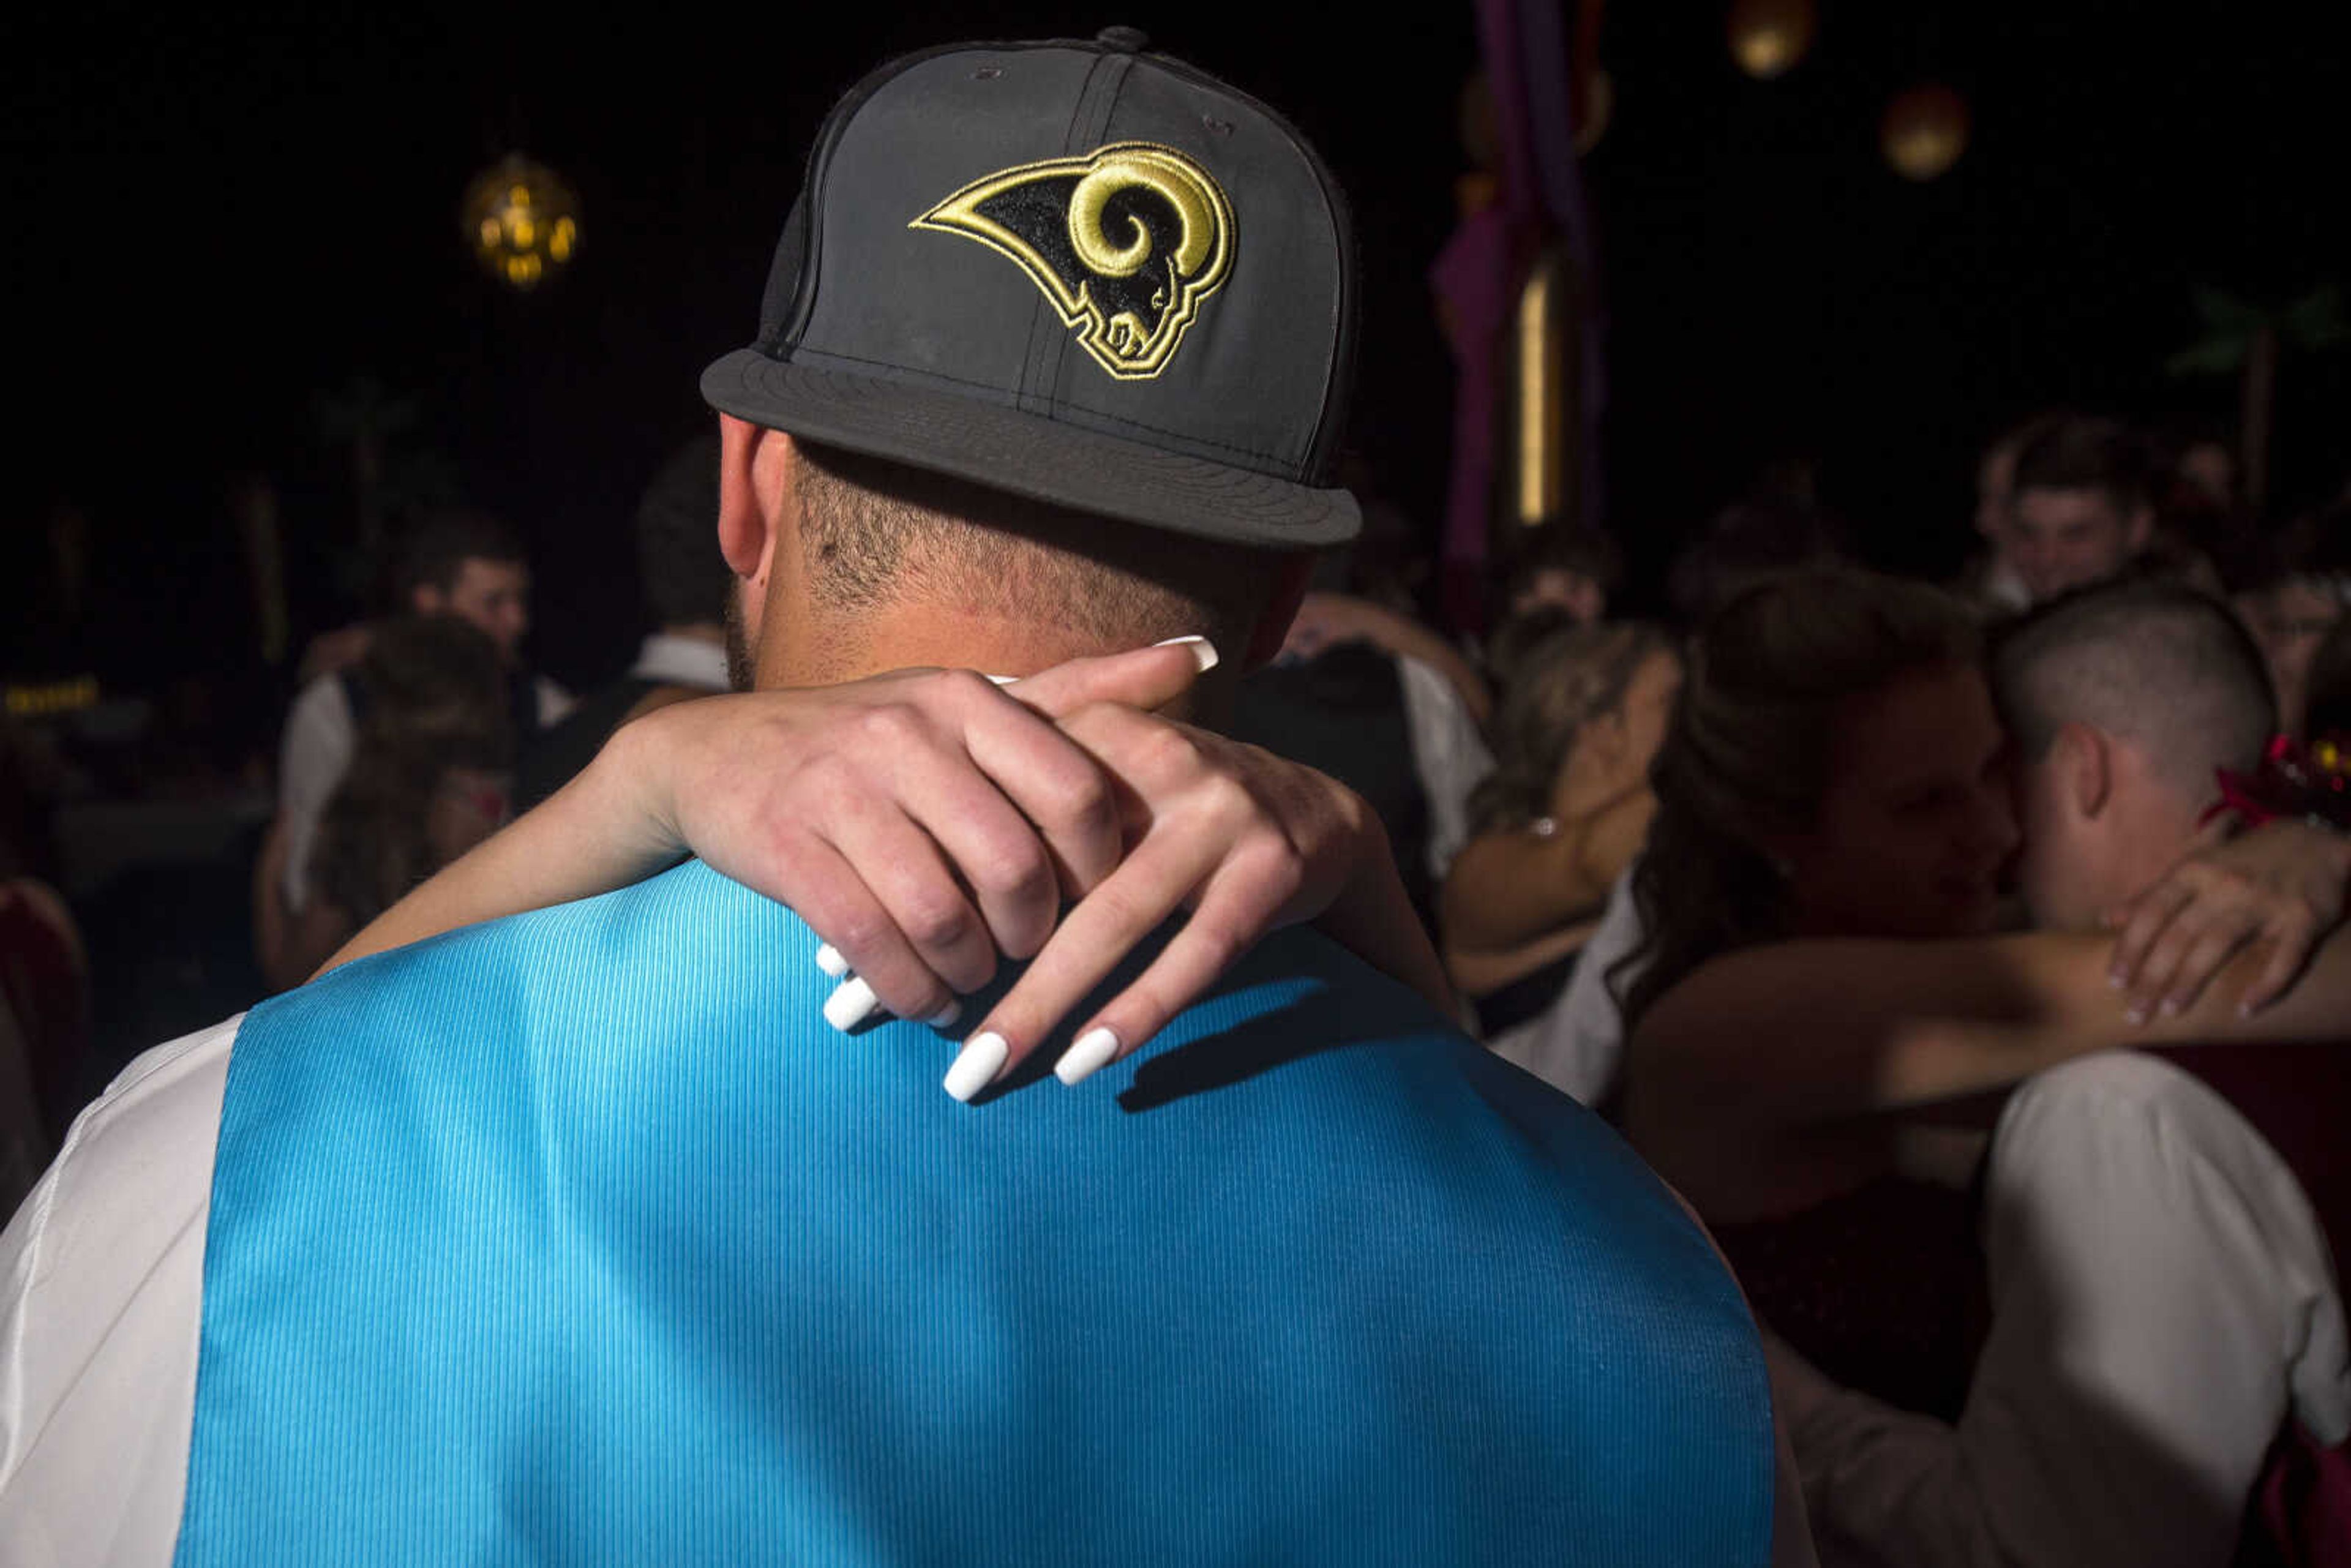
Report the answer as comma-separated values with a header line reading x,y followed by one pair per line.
x,y
1803,1033
871,808
1519,885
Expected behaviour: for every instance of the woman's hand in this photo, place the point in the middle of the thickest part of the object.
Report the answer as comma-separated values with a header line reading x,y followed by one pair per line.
x,y
2282,883
846,802
1244,840
922,823
926,822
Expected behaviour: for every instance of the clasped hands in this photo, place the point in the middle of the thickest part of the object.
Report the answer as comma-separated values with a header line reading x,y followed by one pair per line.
x,y
928,823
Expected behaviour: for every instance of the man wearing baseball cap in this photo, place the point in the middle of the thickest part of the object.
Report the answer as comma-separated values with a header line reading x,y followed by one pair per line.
x,y
578,1236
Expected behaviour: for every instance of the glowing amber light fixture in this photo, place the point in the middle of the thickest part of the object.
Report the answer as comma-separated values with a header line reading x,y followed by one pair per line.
x,y
1925,130
522,222
1768,37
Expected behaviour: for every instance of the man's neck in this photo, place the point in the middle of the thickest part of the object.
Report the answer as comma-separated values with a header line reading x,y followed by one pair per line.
x,y
825,650
831,649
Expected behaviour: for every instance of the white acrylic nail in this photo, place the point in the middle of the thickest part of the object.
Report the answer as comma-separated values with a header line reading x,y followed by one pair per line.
x,y
1203,652
976,1065
945,1015
829,959
1092,1053
851,1003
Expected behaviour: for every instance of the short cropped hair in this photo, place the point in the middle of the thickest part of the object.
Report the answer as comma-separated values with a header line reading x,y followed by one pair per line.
x,y
2157,663
680,568
439,544
2085,451
876,532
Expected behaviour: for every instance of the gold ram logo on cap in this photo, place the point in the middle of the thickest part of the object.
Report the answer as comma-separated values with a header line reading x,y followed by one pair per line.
x,y
1126,242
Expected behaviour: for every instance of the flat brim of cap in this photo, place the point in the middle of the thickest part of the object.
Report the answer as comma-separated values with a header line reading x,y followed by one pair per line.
x,y
1029,454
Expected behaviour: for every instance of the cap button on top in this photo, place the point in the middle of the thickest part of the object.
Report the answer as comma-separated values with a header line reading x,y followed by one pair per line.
x,y
1125,40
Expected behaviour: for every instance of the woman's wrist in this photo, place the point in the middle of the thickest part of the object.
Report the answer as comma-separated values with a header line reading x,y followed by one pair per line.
x,y
631,786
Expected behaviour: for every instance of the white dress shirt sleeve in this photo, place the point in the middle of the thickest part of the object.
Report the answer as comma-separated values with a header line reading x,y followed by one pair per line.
x,y
313,756
1577,1044
1447,753
550,701
2162,1295
101,1299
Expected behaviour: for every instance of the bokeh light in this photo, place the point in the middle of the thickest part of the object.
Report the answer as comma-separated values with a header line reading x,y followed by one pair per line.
x,y
1925,130
1768,37
522,222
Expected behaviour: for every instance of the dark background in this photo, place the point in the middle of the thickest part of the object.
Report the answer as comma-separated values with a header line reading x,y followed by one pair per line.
x,y
220,218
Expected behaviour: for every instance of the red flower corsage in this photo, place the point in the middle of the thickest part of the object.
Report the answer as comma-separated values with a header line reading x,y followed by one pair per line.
x,y
2312,782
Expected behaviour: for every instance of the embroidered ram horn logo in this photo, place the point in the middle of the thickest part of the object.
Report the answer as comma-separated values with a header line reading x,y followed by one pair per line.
x,y
1126,243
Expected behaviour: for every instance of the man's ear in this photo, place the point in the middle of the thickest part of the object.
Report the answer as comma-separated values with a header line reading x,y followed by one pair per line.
x,y
2086,768
1295,572
747,518
2139,529
426,600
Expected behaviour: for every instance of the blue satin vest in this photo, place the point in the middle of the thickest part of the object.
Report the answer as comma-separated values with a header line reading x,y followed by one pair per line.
x,y
580,1238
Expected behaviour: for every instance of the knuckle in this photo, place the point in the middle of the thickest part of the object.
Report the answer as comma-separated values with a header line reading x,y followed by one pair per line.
x,y
892,725
933,920
1225,798
1277,872
1081,799
1172,752
1017,872
861,933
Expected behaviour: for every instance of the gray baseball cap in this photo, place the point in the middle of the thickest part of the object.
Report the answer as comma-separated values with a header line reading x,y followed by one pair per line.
x,y
1076,271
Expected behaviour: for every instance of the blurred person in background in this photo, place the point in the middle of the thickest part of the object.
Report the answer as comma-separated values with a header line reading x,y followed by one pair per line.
x,y
683,581
2080,506
1560,818
1837,770
1364,691
2295,593
431,776
465,564
1834,766
44,995
2164,1322
1577,1046
1577,569
1992,580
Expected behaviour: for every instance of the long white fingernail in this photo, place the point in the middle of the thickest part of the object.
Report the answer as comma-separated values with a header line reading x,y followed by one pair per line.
x,y
829,959
945,1015
977,1065
1203,652
1092,1053
851,1002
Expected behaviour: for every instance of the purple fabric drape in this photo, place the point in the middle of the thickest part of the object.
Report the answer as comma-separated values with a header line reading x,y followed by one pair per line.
x,y
1477,276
